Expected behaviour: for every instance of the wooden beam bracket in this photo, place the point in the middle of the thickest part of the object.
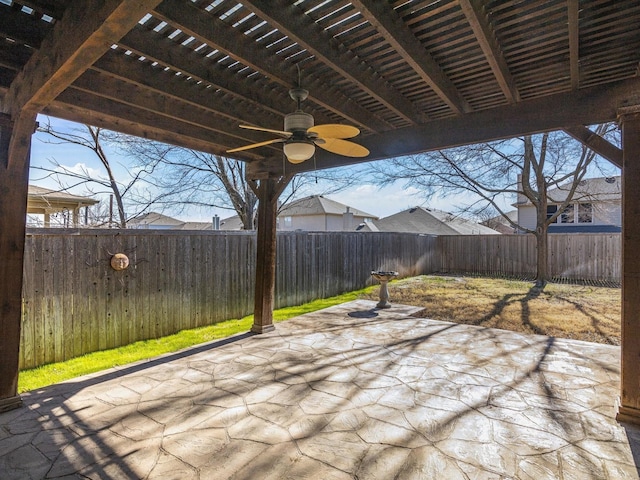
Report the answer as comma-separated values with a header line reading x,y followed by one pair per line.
x,y
598,144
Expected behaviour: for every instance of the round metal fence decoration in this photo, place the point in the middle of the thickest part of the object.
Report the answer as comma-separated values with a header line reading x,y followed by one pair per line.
x,y
119,261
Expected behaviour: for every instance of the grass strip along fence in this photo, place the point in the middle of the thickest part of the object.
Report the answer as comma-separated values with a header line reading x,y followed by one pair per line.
x,y
32,379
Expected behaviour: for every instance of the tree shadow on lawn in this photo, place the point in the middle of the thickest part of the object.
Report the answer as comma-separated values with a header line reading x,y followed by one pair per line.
x,y
526,320
509,299
595,322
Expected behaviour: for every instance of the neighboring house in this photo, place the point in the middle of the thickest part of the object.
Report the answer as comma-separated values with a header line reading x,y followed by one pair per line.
x,y
501,225
158,221
42,201
320,214
595,207
231,223
426,221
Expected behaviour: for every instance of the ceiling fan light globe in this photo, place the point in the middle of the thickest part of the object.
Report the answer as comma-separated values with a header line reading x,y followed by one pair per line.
x,y
298,152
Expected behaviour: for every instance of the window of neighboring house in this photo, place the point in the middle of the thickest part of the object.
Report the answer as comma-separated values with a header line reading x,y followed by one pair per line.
x,y
551,210
288,222
585,213
568,215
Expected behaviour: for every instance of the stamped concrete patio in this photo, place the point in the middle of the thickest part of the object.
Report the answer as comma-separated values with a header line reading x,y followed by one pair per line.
x,y
344,393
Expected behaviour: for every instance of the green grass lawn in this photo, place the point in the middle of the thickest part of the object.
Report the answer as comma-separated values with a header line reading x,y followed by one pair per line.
x,y
35,378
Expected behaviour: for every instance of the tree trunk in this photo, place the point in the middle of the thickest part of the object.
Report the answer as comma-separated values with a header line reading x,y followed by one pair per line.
x,y
542,254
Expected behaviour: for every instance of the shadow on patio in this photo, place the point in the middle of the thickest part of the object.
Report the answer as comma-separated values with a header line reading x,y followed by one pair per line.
x,y
347,392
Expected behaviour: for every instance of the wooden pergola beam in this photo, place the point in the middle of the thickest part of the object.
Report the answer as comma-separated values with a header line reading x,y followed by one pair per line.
x,y
130,126
574,42
85,32
120,91
75,105
595,142
489,45
216,33
28,30
589,106
192,64
155,79
385,19
308,34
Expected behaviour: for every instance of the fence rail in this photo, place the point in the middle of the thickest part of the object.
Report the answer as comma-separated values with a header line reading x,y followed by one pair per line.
x,y
75,303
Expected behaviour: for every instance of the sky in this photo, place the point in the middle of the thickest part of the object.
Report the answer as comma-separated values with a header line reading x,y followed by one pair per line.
x,y
366,196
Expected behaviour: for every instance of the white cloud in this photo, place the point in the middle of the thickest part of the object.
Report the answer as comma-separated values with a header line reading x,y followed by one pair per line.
x,y
81,168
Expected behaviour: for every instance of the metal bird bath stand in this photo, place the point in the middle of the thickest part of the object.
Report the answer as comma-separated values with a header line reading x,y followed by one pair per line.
x,y
383,278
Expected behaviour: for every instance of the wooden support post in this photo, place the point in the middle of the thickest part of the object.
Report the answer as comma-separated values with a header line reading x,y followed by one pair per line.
x,y
268,191
629,410
15,141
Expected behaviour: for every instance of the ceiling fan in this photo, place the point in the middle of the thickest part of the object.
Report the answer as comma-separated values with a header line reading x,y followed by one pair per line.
x,y
300,136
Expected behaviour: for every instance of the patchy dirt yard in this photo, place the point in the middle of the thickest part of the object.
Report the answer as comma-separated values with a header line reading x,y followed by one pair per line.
x,y
569,311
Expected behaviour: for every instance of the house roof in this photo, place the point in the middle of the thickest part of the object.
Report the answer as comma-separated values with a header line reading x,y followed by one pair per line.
x,y
231,223
40,192
599,189
320,205
154,218
367,226
500,224
43,200
159,220
432,222
196,226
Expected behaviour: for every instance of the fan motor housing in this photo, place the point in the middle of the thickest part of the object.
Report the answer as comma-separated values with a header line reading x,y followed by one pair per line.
x,y
298,121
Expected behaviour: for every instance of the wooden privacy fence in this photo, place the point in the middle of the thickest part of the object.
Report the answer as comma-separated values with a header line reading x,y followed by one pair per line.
x,y
75,303
595,257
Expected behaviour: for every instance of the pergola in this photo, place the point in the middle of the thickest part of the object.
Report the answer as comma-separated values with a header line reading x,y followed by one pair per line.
x,y
412,75
42,201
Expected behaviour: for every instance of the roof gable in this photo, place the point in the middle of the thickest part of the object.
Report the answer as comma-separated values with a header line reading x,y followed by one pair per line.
x,y
154,218
56,196
320,205
432,222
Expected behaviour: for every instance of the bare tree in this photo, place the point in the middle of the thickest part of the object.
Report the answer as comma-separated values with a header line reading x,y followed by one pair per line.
x,y
95,139
173,177
528,168
192,178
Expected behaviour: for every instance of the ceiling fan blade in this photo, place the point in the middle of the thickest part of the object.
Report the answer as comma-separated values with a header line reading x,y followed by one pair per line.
x,y
260,129
255,145
343,147
334,130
